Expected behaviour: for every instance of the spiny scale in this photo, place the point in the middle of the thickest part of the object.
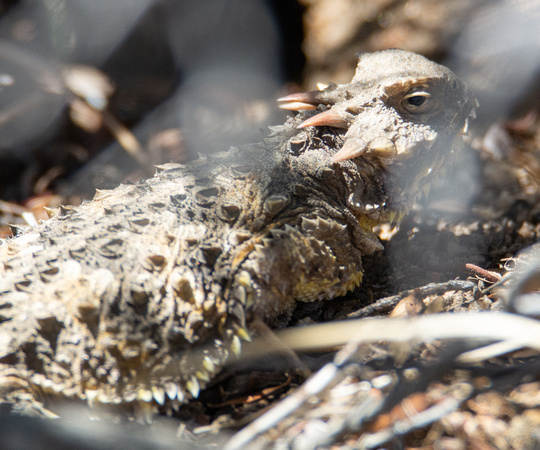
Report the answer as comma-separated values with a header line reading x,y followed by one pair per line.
x,y
139,296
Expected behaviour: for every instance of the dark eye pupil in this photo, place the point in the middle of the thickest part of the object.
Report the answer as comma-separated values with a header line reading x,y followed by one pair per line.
x,y
417,100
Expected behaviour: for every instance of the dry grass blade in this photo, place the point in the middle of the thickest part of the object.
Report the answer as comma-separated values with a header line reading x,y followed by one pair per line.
x,y
426,417
510,331
496,326
313,386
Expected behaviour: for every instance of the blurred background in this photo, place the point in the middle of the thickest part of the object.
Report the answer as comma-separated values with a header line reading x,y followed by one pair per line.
x,y
94,93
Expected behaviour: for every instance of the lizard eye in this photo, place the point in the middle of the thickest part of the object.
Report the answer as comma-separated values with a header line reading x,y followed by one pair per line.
x,y
417,102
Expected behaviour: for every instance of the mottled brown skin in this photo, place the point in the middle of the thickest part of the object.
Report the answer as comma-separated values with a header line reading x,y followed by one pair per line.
x,y
138,296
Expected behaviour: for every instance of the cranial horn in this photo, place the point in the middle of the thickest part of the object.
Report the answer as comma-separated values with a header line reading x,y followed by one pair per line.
x,y
351,149
300,101
383,147
327,118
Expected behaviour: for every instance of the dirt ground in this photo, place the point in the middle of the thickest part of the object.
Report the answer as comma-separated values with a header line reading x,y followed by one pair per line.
x,y
472,226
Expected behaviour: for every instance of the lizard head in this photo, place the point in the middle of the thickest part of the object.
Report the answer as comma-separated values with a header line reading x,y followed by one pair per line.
x,y
399,118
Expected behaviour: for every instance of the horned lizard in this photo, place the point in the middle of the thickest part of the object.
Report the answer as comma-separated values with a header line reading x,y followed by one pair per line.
x,y
139,296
